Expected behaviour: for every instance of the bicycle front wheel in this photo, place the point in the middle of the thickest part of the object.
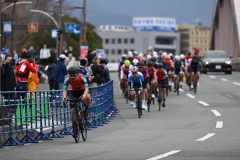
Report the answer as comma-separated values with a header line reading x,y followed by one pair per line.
x,y
83,128
139,108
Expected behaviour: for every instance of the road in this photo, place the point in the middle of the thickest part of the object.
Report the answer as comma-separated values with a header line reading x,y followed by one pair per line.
x,y
202,126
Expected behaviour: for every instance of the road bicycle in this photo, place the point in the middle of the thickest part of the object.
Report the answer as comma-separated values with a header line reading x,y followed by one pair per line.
x,y
81,124
137,90
195,82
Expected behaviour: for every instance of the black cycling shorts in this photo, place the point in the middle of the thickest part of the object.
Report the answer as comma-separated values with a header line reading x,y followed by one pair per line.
x,y
74,95
136,85
163,83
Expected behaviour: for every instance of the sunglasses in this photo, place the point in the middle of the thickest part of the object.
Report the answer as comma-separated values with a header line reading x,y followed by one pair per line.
x,y
134,72
73,75
140,67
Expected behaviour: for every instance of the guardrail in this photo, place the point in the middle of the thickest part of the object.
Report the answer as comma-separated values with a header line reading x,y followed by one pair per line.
x,y
27,119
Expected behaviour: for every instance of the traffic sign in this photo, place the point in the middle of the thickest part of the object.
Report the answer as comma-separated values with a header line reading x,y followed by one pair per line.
x,y
33,27
7,27
77,29
69,27
54,33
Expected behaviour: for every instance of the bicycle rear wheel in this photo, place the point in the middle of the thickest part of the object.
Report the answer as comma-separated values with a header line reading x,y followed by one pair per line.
x,y
139,108
159,98
76,129
83,127
149,100
177,86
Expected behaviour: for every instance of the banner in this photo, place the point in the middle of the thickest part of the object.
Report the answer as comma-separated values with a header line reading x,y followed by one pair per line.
x,y
101,53
83,51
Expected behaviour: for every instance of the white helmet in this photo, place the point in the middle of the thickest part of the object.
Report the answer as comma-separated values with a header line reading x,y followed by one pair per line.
x,y
149,57
135,61
189,60
155,56
182,56
164,54
135,52
170,54
140,55
134,69
150,47
154,53
130,54
177,57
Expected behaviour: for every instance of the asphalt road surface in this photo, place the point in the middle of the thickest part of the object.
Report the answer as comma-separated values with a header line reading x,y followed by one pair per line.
x,y
202,126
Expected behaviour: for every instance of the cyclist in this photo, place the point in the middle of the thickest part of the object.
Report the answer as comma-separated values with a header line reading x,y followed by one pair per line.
x,y
161,78
194,67
178,71
121,62
161,60
152,73
130,56
187,57
135,79
79,88
124,71
145,82
169,69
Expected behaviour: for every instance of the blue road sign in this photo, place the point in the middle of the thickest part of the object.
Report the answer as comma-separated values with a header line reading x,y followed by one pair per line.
x,y
54,33
77,29
7,27
69,27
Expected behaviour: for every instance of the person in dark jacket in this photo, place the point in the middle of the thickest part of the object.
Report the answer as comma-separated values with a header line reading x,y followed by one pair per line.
x,y
8,82
83,64
50,72
106,75
97,71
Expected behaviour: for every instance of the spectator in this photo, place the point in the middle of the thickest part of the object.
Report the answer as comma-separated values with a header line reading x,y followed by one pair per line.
x,y
89,74
15,56
50,72
196,51
97,71
83,64
70,49
60,71
37,55
70,60
4,51
32,51
23,67
106,75
8,82
32,83
44,55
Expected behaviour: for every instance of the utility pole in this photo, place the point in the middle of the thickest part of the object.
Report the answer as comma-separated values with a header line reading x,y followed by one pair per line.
x,y
0,45
60,23
84,22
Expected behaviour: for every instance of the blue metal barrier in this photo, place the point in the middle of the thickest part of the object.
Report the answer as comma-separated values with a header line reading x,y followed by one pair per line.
x,y
34,115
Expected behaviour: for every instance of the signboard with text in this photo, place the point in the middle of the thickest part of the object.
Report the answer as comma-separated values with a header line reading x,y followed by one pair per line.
x,y
154,23
7,27
101,53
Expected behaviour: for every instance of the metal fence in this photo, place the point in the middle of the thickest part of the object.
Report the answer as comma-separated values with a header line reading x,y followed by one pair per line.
x,y
30,117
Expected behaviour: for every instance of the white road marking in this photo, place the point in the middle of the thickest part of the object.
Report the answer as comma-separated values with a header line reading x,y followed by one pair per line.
x,y
189,95
212,76
203,103
164,155
217,114
181,90
224,79
209,135
236,83
219,124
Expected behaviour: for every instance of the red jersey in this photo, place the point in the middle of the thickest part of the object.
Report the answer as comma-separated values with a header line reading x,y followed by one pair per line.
x,y
161,74
152,72
23,68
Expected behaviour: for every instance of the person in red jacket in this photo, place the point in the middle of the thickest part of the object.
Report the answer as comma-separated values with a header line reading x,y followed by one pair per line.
x,y
23,67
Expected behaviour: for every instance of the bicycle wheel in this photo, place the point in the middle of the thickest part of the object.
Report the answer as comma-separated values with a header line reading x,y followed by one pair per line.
x,y
139,106
149,100
159,98
83,127
178,86
76,132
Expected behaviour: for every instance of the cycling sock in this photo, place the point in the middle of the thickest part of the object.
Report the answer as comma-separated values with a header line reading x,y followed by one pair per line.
x,y
164,100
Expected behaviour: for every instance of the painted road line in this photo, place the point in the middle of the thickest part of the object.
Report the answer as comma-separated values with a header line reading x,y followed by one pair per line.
x,y
236,83
219,124
225,80
217,114
212,76
209,135
164,155
189,95
181,90
203,103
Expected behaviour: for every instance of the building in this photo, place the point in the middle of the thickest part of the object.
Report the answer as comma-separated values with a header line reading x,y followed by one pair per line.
x,y
226,27
194,36
118,40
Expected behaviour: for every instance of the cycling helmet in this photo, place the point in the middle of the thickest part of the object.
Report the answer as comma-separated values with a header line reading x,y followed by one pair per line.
x,y
164,54
154,53
160,65
153,59
160,58
135,52
127,63
124,56
135,61
73,70
177,57
149,63
140,64
167,58
189,60
170,54
195,57
149,57
189,53
182,56
150,47
130,54
140,55
134,69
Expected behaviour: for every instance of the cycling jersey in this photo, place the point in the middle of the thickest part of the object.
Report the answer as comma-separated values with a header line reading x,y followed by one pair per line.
x,y
178,65
152,72
169,64
135,79
79,84
161,74
194,66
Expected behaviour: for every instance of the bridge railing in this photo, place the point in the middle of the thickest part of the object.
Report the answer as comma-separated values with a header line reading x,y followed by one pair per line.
x,y
30,117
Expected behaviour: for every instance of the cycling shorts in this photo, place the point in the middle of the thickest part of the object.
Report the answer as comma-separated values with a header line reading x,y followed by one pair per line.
x,y
177,73
75,95
163,83
136,85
